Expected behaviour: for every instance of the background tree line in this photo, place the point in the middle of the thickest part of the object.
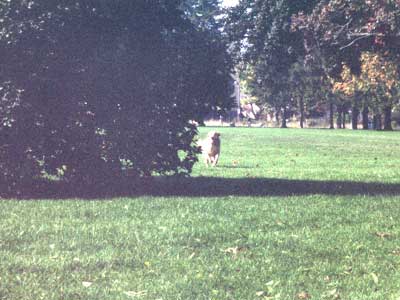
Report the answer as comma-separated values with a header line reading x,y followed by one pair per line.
x,y
342,54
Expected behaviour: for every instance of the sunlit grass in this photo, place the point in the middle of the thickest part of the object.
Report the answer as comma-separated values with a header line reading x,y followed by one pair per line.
x,y
287,244
308,154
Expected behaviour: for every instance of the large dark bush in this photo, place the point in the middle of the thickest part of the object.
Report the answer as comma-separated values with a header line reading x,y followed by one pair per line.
x,y
92,89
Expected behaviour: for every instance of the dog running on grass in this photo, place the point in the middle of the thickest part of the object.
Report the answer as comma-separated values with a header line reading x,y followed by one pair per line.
x,y
211,148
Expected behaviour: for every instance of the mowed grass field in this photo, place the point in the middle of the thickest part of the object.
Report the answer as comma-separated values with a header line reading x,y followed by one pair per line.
x,y
287,214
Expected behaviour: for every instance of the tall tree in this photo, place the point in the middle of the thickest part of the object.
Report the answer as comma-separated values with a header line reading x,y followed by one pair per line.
x,y
376,86
380,78
261,35
207,16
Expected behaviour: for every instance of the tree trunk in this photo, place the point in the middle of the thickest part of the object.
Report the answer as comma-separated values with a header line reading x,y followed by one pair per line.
x,y
277,117
331,126
301,113
344,120
339,118
354,118
284,118
377,122
365,120
387,118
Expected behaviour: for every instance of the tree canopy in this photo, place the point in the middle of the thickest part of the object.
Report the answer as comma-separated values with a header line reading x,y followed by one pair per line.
x,y
261,35
343,29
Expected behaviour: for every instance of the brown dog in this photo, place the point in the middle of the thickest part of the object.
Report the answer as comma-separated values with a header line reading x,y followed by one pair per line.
x,y
211,148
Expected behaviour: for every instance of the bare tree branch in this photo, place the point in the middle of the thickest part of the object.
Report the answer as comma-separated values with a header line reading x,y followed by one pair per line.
x,y
355,41
343,27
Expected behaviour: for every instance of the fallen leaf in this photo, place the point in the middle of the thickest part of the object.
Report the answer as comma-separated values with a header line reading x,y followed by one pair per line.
x,y
375,278
260,293
235,250
383,234
87,283
348,270
334,293
269,283
303,296
135,294
396,252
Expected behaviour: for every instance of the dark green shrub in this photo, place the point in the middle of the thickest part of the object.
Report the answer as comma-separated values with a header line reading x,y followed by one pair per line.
x,y
93,84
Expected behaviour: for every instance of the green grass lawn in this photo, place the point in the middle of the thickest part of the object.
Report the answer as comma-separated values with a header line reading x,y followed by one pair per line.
x,y
287,214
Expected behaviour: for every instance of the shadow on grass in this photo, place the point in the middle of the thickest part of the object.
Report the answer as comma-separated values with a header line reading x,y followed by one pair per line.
x,y
204,187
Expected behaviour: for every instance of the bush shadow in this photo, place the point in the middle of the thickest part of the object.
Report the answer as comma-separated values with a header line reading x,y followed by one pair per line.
x,y
201,187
